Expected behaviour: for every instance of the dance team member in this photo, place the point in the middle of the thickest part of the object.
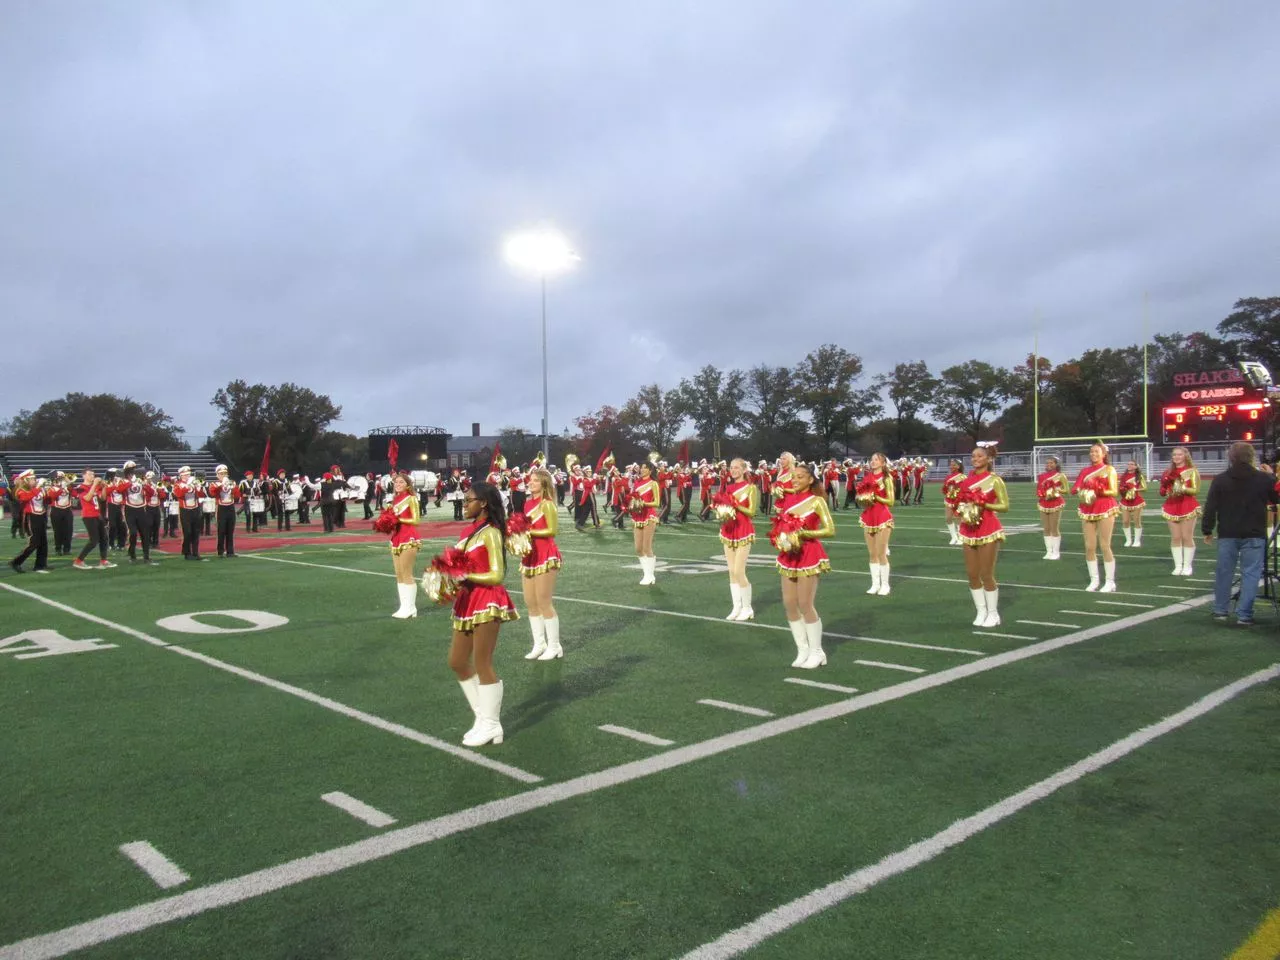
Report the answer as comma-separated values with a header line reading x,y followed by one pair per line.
x,y
950,496
737,534
982,496
875,494
1179,486
479,610
1051,488
405,543
540,567
1132,484
644,514
802,567
1096,488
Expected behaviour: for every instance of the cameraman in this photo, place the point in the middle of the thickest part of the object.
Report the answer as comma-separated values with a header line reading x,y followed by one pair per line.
x,y
1238,504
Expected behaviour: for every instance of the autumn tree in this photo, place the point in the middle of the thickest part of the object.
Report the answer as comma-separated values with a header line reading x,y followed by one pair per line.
x,y
713,401
102,421
1252,331
771,409
653,418
293,417
910,389
969,394
826,379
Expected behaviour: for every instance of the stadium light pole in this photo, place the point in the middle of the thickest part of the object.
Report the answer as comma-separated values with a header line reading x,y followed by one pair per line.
x,y
545,252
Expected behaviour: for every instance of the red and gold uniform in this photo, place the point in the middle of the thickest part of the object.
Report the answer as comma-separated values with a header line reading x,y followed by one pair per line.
x,y
405,537
741,531
1131,487
1051,488
544,523
648,493
1179,486
481,596
811,559
951,488
1097,489
987,491
876,514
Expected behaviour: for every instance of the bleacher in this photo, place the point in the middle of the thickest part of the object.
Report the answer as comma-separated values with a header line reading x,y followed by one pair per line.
x,y
166,462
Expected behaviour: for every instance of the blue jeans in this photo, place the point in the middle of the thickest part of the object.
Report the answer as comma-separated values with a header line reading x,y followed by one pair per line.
x,y
1250,552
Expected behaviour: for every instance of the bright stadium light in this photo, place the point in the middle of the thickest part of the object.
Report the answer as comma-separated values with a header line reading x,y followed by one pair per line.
x,y
543,251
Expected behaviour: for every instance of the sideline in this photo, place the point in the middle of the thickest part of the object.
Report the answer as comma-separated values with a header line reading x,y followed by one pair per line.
x,y
293,872
788,915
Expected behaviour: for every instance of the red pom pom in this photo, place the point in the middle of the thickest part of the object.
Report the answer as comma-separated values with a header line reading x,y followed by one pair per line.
x,y
517,523
387,521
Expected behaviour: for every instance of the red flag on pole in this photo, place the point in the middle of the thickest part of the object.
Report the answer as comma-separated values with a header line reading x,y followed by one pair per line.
x,y
393,453
266,459
603,457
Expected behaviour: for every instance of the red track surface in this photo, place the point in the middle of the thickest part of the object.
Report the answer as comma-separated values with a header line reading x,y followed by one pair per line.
x,y
304,537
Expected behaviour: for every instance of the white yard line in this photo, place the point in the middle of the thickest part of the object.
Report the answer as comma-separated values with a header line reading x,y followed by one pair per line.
x,y
1089,613
1004,636
357,809
155,864
1121,603
1050,623
736,708
676,613
818,684
1027,586
470,756
890,666
788,915
249,886
636,735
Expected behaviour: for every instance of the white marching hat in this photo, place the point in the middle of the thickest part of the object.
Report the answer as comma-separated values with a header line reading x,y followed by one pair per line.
x,y
220,468
128,465
182,470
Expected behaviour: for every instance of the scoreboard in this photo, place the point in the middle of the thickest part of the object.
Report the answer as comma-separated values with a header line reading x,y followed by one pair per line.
x,y
1215,422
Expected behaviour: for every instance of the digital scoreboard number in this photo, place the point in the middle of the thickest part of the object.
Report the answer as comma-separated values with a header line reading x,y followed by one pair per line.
x,y
1214,422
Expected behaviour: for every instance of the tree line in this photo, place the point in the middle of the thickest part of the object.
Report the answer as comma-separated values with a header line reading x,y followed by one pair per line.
x,y
819,407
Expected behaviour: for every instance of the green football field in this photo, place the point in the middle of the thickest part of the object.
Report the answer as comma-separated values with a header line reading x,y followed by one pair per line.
x,y
250,758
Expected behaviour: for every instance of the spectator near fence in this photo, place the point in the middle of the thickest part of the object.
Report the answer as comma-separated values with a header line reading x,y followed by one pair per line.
x,y
1237,506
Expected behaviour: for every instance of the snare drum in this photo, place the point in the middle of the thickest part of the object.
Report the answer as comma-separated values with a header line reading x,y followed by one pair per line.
x,y
208,506
257,505
291,503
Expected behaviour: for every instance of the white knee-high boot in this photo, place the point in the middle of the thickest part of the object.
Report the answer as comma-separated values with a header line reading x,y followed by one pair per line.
x,y
470,686
1128,536
802,642
1188,555
1057,548
488,728
875,579
554,651
537,626
1109,585
817,657
1093,575
1177,560
884,580
747,612
1048,548
955,533
993,608
980,605
735,592
1137,536
408,601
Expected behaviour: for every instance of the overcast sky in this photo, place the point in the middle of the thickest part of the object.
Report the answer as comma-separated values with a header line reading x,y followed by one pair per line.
x,y
194,192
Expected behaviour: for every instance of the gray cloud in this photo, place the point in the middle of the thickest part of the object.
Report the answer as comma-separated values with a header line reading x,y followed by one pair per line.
x,y
199,192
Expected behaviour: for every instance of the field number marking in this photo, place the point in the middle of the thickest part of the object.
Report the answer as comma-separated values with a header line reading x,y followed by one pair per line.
x,y
47,643
256,620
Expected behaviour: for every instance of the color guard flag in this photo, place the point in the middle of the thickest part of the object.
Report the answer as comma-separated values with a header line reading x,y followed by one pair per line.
x,y
393,453
266,458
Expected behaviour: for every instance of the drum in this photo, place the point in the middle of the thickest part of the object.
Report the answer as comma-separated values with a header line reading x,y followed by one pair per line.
x,y
171,508
208,506
291,502
257,505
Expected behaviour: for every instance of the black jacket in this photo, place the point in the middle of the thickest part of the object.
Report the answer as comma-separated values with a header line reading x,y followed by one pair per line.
x,y
1237,503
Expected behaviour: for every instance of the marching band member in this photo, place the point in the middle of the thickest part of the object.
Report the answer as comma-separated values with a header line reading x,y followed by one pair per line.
x,y
405,542
370,497
540,567
1132,483
1051,488
172,510
876,496
706,481
950,497
481,607
644,514
1179,486
621,493
115,511
16,527
58,496
226,495
737,534
764,480
1096,487
248,490
802,567
283,504
665,485
831,480
136,518
921,468
982,496
156,495
851,472
684,491
188,491
92,494
30,493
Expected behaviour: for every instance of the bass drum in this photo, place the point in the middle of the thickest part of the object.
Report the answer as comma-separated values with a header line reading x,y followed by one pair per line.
x,y
357,488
